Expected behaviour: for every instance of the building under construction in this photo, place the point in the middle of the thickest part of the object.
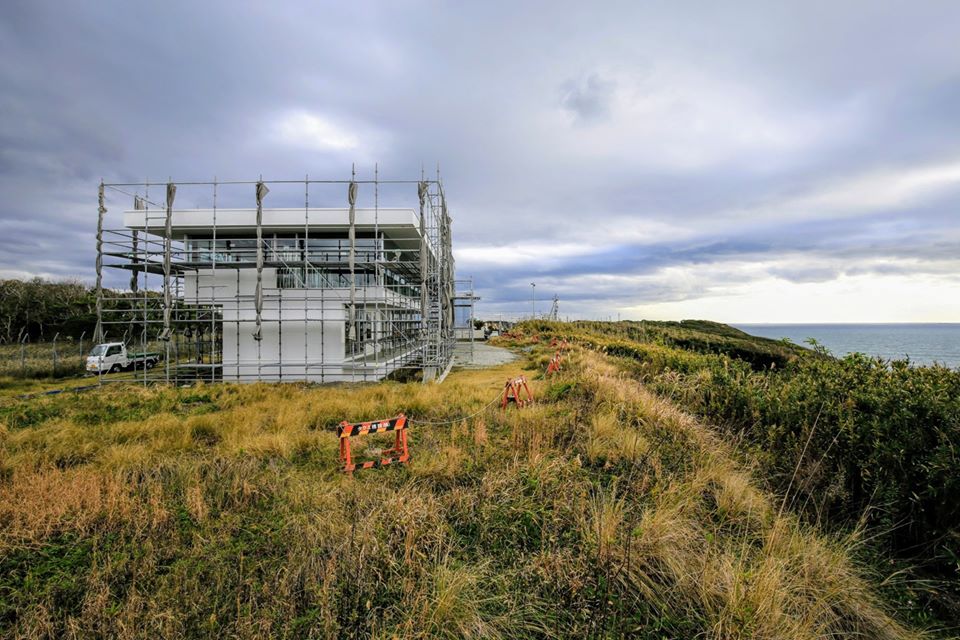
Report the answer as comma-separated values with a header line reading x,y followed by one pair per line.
x,y
293,280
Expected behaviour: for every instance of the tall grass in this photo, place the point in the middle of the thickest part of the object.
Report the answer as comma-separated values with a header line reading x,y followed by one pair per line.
x,y
601,511
43,359
853,441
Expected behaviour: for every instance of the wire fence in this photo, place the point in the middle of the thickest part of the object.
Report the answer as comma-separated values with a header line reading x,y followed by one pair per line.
x,y
62,357
58,358
497,398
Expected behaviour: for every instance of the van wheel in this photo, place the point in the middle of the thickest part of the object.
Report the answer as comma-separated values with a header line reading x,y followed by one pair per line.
x,y
151,364
115,368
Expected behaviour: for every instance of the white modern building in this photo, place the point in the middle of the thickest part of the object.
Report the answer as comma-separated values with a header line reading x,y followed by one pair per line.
x,y
299,294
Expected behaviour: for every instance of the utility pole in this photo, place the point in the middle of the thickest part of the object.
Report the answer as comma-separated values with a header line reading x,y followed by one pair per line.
x,y
533,302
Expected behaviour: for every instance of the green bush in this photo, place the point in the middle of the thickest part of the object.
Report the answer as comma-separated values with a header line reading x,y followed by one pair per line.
x,y
848,438
877,434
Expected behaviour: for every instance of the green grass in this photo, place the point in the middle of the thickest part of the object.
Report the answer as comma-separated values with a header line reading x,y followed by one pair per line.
x,y
218,510
853,441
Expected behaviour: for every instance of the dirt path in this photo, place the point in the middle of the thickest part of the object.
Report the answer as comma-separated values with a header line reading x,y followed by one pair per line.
x,y
484,355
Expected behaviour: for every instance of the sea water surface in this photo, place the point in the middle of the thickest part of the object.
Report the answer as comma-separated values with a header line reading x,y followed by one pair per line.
x,y
921,343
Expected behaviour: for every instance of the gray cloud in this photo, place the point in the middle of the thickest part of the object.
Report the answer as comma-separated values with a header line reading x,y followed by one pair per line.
x,y
588,100
703,136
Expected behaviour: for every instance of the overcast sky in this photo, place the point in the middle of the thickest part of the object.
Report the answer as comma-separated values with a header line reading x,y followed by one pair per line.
x,y
743,162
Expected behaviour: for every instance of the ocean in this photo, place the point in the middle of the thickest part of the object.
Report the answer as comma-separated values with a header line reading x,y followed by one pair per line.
x,y
922,343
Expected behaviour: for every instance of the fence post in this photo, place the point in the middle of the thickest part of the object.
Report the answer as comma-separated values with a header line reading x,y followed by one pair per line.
x,y
57,335
81,346
23,356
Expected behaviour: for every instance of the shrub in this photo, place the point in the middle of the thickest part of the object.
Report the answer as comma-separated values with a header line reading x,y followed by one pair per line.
x,y
848,438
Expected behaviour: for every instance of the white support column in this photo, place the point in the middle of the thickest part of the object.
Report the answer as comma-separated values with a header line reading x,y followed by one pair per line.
x,y
101,210
424,255
167,296
261,193
352,235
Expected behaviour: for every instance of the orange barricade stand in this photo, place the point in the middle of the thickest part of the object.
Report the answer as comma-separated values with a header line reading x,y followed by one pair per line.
x,y
514,390
399,452
554,366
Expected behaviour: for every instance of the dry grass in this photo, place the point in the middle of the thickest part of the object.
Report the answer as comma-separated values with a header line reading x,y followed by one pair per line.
x,y
43,359
130,512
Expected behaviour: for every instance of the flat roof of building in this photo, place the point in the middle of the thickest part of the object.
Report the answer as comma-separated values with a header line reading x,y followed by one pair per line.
x,y
396,222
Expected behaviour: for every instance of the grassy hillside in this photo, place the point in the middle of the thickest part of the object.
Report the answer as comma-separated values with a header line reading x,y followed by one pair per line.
x,y
602,511
854,441
699,336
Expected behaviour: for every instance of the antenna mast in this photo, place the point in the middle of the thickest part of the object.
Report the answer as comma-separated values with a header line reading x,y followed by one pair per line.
x,y
555,309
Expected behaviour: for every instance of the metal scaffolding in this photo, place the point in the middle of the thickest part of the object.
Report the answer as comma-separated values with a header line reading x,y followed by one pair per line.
x,y
229,288
464,301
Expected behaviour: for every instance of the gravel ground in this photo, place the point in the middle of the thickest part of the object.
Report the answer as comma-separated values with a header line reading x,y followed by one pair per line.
x,y
484,355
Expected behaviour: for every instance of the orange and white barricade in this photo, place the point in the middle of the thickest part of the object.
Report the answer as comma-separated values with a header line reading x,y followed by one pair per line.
x,y
516,390
398,453
554,366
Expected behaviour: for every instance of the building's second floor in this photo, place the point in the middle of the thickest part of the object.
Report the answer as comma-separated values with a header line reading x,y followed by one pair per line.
x,y
301,248
235,290
313,234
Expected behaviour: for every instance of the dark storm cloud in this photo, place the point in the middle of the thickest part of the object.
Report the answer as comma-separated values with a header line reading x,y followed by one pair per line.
x,y
809,140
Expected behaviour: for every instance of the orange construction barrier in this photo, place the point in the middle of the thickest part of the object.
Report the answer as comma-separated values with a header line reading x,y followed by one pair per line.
x,y
560,344
513,391
554,366
398,453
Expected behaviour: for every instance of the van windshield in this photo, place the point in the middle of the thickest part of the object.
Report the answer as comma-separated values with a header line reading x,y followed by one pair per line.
x,y
99,350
